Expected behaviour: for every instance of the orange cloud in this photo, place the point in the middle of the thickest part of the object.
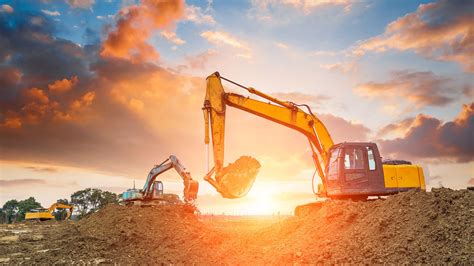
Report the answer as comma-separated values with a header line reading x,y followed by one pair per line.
x,y
63,85
39,107
37,95
441,31
134,28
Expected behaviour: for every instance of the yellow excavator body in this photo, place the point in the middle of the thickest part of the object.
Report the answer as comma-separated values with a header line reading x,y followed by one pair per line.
x,y
47,214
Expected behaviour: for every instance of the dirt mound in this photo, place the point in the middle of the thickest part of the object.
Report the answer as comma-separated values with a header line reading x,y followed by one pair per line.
x,y
420,227
159,234
411,227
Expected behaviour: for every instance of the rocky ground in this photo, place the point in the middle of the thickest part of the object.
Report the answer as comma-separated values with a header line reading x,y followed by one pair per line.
x,y
411,227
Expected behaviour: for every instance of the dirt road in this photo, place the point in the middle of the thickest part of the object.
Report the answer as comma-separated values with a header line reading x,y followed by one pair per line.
x,y
435,227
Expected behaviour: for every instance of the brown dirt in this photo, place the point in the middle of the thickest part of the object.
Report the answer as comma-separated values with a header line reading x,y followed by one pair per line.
x,y
411,227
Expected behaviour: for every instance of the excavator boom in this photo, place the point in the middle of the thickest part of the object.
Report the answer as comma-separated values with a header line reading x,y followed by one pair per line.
x,y
285,113
147,193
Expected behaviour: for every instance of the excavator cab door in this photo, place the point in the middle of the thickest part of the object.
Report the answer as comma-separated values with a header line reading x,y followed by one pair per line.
x,y
354,170
355,166
157,190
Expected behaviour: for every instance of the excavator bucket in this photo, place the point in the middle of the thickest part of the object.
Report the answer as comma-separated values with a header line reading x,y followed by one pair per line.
x,y
235,180
191,188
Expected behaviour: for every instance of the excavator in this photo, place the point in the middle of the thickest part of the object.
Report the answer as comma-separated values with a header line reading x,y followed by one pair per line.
x,y
348,170
47,214
152,192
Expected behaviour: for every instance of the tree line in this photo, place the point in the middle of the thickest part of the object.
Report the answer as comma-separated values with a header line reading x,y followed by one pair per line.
x,y
85,201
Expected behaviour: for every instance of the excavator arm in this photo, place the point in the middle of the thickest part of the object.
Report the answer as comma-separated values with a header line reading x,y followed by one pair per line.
x,y
285,113
190,186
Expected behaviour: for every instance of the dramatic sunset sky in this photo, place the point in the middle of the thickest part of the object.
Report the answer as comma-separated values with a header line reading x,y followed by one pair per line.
x,y
93,93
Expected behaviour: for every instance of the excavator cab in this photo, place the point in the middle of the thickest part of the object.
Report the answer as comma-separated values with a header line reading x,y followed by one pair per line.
x,y
355,170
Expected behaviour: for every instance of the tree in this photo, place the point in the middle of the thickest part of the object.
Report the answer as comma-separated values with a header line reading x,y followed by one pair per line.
x,y
60,214
10,208
25,206
92,199
15,210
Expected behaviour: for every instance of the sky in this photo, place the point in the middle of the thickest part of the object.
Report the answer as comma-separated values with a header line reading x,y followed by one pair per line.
x,y
95,93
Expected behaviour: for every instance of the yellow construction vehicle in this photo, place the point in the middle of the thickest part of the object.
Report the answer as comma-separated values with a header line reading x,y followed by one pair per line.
x,y
47,214
347,170
152,192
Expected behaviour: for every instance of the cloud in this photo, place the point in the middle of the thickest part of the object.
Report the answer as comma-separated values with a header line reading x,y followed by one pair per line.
x,y
6,8
50,13
63,85
429,139
398,129
222,37
304,6
134,27
21,182
343,67
312,100
442,31
200,60
343,130
47,169
196,15
420,89
172,37
19,45
281,45
114,115
9,77
80,3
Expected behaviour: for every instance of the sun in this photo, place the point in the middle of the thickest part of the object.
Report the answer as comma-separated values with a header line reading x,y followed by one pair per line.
x,y
261,202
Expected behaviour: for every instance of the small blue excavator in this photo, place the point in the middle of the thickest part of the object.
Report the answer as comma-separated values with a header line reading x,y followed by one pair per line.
x,y
152,192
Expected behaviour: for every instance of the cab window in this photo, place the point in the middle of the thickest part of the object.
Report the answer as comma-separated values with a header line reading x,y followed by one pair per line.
x,y
353,159
370,156
333,165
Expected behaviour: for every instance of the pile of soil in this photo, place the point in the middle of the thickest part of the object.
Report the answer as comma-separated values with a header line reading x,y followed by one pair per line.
x,y
420,227
435,227
130,235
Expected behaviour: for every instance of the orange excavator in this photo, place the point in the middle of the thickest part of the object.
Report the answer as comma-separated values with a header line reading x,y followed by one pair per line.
x,y
47,214
347,170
